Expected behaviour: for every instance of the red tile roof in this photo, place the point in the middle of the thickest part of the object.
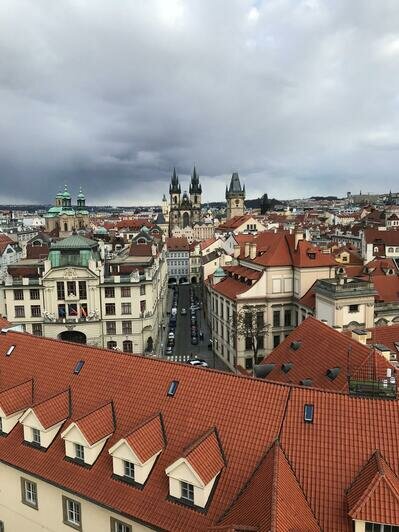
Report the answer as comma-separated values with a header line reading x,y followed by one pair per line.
x,y
175,243
230,287
140,250
4,323
374,494
98,424
17,398
205,457
324,456
242,271
234,222
387,288
387,335
389,238
322,348
272,499
53,410
147,439
206,243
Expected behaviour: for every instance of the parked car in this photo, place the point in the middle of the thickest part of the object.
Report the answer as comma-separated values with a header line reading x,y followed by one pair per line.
x,y
183,312
169,351
171,342
198,362
171,335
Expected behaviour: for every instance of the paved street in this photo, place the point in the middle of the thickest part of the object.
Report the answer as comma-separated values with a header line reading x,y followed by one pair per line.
x,y
183,348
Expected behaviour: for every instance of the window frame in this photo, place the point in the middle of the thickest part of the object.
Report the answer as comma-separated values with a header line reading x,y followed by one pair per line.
x,y
66,510
79,452
25,500
114,525
129,467
186,487
36,436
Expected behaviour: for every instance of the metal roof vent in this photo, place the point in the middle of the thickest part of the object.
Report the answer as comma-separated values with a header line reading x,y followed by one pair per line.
x,y
262,370
10,350
286,367
295,345
332,373
306,382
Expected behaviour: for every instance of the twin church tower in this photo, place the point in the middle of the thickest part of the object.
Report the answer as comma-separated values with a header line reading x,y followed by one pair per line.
x,y
185,210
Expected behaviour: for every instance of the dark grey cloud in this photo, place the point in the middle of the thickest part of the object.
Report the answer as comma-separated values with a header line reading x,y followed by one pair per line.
x,y
300,96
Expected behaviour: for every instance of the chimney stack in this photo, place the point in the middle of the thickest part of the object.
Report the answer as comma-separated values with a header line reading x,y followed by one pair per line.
x,y
361,335
252,251
246,249
298,237
237,251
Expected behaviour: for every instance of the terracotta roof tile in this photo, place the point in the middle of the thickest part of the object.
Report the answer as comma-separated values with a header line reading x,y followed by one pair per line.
x,y
205,457
147,439
97,424
53,410
17,398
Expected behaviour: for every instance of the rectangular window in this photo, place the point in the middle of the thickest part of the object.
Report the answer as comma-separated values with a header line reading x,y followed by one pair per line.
x,y
118,526
73,310
287,318
71,288
249,363
18,295
126,308
142,289
276,318
19,312
142,305
110,309
29,492
109,291
82,290
72,513
37,329
126,327
36,436
128,469
61,310
34,294
35,311
276,286
248,343
79,452
125,291
261,342
60,290
260,320
110,327
308,413
276,340
187,491
353,308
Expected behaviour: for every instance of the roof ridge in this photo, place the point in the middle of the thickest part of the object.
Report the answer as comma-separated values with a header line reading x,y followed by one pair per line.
x,y
67,390
94,410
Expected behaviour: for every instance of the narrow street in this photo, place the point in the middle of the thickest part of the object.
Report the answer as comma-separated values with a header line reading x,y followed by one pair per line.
x,y
183,349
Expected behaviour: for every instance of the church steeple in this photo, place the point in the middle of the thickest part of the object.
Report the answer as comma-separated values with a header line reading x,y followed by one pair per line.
x,y
195,186
174,187
235,196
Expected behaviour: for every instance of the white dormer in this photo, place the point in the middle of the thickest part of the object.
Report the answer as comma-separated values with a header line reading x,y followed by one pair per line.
x,y
86,437
7,423
192,477
134,456
42,422
13,403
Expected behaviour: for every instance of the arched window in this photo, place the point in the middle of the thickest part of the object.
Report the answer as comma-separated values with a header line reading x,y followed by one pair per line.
x,y
128,346
353,325
396,319
390,250
111,345
381,322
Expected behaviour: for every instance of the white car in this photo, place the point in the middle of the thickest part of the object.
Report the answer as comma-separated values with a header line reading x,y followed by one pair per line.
x,y
171,335
198,362
183,312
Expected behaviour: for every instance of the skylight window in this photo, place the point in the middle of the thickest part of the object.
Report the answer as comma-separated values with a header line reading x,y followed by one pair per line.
x,y
332,373
78,367
286,367
10,350
295,345
308,413
172,388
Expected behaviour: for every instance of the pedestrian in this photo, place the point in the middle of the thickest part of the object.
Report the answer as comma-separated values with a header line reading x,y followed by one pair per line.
x,y
201,336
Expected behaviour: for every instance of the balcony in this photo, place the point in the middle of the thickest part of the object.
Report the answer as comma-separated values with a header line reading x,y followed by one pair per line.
x,y
343,288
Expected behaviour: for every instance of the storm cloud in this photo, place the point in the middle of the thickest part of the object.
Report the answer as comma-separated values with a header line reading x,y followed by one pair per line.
x,y
301,97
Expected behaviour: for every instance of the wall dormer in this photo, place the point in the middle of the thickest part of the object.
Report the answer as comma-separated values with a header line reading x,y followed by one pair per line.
x,y
134,456
192,477
86,437
13,402
42,421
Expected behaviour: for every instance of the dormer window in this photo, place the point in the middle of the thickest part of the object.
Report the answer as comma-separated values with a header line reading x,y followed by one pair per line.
x,y
187,491
36,436
79,452
128,468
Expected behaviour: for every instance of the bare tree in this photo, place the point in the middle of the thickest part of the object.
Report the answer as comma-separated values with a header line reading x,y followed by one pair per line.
x,y
251,326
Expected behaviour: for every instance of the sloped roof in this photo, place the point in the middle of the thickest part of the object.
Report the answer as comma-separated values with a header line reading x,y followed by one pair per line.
x,y
175,243
272,500
140,250
374,494
53,410
230,288
74,242
235,222
17,398
205,457
389,237
98,424
321,348
147,439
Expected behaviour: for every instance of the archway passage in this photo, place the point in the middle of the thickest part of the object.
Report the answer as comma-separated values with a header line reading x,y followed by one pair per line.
x,y
73,336
194,280
183,280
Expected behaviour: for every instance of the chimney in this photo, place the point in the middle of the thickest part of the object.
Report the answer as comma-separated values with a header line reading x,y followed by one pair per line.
x,y
252,251
237,251
338,328
246,249
298,237
361,335
384,351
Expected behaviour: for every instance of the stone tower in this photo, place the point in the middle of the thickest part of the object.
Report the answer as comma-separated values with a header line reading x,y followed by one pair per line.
x,y
175,193
235,196
195,191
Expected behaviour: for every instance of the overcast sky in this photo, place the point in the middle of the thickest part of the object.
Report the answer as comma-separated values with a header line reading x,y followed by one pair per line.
x,y
301,97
